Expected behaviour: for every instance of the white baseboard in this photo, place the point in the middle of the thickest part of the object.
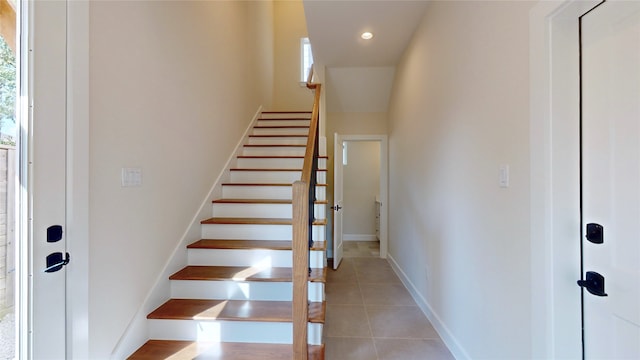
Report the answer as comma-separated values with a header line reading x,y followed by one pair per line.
x,y
445,334
359,237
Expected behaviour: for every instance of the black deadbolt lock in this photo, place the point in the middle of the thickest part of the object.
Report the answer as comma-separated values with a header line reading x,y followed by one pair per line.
x,y
595,233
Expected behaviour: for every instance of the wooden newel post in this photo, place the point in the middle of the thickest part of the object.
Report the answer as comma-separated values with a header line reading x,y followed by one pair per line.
x,y
300,246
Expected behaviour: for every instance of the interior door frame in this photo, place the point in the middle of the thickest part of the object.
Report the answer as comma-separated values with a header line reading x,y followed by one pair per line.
x,y
556,315
384,182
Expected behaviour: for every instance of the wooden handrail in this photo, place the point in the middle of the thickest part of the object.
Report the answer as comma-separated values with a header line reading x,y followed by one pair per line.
x,y
303,198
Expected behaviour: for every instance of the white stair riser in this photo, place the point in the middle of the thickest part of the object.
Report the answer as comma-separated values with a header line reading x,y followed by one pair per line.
x,y
238,290
280,131
255,232
275,177
265,192
276,163
300,140
254,259
229,331
261,210
283,122
285,115
273,151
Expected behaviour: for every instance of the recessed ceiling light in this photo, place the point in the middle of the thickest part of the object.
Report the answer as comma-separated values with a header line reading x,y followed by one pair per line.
x,y
366,35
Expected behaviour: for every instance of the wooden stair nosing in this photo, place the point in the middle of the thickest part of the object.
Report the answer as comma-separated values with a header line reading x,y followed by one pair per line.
x,y
274,145
280,119
287,112
276,157
267,169
234,310
262,201
255,221
183,350
281,127
263,184
277,135
235,273
249,244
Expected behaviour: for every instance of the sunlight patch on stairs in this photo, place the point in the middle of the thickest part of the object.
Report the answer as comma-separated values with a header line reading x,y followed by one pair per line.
x,y
244,274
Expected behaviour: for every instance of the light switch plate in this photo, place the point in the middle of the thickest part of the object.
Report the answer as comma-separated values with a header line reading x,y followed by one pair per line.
x,y
131,177
503,179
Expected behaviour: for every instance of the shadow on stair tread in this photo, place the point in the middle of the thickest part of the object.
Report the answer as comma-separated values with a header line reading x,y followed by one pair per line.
x,y
249,244
255,221
235,273
188,350
234,310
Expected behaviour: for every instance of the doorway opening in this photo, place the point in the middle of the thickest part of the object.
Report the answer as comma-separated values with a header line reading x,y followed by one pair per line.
x,y
360,195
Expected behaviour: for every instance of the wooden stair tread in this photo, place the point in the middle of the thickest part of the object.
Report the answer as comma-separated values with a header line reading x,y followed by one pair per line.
x,y
256,221
263,184
243,273
275,157
287,112
249,244
278,135
284,118
275,145
233,310
260,201
281,127
189,350
263,169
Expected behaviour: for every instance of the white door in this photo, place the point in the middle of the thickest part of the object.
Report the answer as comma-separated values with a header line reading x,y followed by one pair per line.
x,y
611,179
338,145
45,175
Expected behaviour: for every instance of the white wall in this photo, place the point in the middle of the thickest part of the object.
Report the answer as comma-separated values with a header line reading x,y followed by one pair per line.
x,y
361,184
358,89
171,92
459,110
290,27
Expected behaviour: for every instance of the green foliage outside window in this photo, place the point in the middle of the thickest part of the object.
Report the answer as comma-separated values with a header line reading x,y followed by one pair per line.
x,y
7,95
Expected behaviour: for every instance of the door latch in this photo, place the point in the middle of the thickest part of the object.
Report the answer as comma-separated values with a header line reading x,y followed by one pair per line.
x,y
594,283
336,208
55,261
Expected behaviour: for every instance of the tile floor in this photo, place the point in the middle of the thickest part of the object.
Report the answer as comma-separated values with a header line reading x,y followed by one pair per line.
x,y
370,314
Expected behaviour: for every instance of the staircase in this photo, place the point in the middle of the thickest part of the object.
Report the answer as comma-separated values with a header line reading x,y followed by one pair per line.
x,y
234,298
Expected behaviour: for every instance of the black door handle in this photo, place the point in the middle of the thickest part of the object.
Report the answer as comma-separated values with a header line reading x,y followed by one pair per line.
x,y
594,283
55,262
336,208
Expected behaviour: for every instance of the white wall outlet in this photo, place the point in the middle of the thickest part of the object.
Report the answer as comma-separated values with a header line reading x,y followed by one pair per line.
x,y
131,177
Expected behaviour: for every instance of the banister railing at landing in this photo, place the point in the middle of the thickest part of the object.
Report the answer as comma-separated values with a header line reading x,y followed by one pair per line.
x,y
304,191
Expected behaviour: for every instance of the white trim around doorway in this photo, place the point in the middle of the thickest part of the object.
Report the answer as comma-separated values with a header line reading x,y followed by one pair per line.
x,y
384,184
554,180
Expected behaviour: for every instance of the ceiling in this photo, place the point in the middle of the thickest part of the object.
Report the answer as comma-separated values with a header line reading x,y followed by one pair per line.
x,y
335,26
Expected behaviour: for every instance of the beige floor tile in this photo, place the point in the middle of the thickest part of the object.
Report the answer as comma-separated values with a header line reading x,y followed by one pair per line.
x,y
361,249
346,320
407,349
363,262
406,322
386,294
349,349
376,275
346,273
343,293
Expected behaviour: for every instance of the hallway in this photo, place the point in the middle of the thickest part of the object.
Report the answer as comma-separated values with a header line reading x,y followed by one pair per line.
x,y
370,314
